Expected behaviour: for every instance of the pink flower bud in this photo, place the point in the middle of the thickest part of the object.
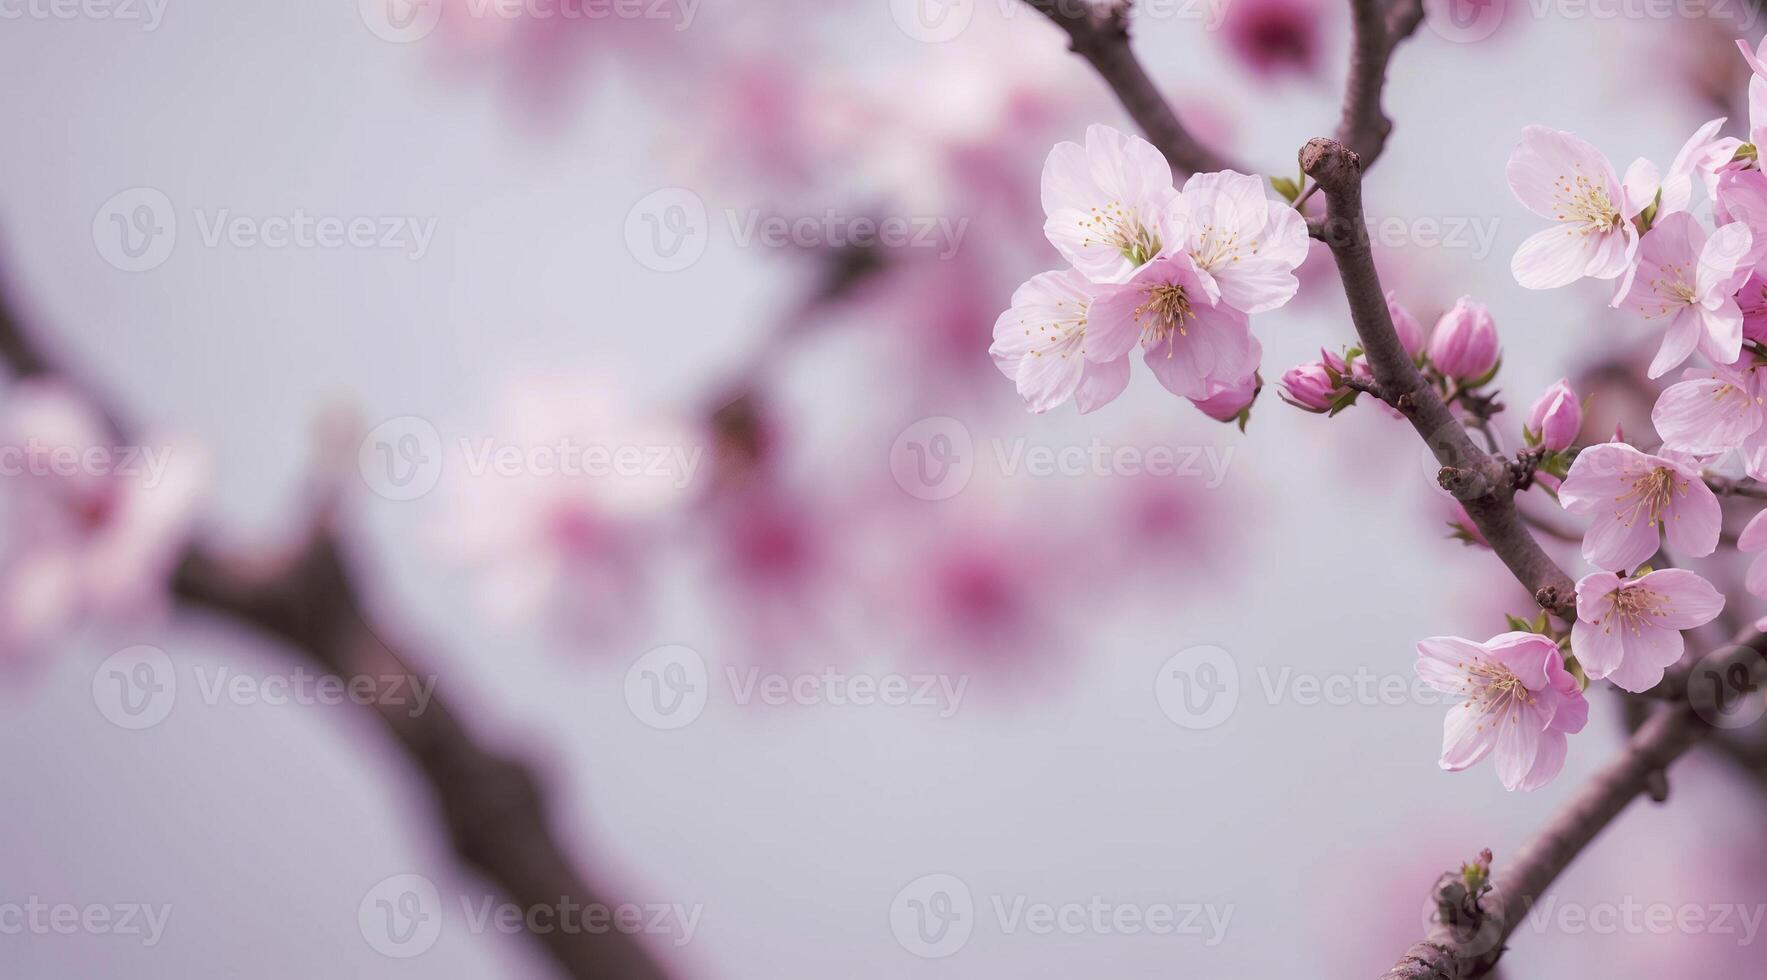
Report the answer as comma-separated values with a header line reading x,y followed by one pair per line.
x,y
1409,330
1310,386
1226,404
1464,345
1557,417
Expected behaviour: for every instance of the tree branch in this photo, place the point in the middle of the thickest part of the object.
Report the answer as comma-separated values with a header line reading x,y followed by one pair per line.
x,y
1100,34
491,806
1484,484
1377,31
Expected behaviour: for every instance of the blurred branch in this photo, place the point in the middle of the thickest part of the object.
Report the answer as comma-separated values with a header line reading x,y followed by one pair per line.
x,y
491,806
1378,31
1100,34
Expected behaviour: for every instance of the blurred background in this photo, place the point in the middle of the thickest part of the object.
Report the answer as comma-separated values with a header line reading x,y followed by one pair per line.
x,y
370,247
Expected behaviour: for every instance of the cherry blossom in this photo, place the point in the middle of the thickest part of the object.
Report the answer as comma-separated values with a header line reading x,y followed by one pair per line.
x,y
1629,631
1690,280
1192,342
1110,204
1247,243
1754,539
1405,325
1556,175
1040,343
1519,704
1629,496
1715,411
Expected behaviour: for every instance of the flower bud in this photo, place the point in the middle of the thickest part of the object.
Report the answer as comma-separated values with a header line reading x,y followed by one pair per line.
x,y
1557,417
1464,345
1228,402
1409,330
1314,386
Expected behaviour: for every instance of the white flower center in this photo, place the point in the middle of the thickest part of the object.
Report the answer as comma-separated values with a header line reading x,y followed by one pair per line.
x,y
1586,202
1118,227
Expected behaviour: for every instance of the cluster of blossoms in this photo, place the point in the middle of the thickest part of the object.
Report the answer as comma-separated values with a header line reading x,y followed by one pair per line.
x,y
1707,288
1178,272
1182,271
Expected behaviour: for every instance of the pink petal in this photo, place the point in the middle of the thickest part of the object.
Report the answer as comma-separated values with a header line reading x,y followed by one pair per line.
x,y
1754,534
1705,416
1467,737
1101,383
1549,760
1692,601
1518,745
1553,257
1693,522
1545,158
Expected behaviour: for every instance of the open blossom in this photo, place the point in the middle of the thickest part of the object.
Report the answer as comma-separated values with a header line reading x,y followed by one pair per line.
x,y
97,543
1110,204
1629,631
1405,325
1715,411
1464,344
1519,704
1192,342
1247,243
1690,281
1557,417
1672,192
1556,175
1628,496
1040,343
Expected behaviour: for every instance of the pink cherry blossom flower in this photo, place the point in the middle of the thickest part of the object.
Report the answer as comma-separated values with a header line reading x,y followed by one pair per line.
x,y
1740,196
1629,631
1230,401
1753,539
1713,412
1040,343
1690,281
1405,325
1629,497
1110,204
1556,175
1249,244
97,541
1191,341
1557,417
1519,704
1464,344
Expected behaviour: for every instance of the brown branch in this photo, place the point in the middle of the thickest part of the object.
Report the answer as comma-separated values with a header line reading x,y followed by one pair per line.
x,y
490,805
1365,126
1484,484
1725,486
1100,34
1462,950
